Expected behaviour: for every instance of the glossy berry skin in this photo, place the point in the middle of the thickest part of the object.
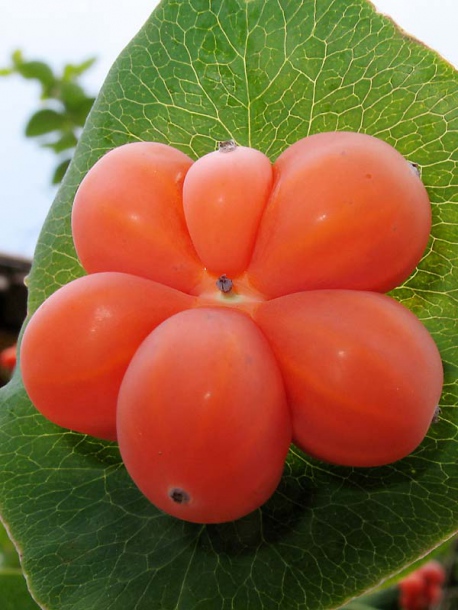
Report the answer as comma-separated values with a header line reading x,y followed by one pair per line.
x,y
351,362
203,422
346,211
78,344
224,196
233,306
128,216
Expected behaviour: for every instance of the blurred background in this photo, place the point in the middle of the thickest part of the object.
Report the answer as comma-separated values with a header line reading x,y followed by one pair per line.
x,y
54,57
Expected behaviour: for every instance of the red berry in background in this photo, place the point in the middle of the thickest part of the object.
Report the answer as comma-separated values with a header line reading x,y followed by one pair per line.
x,y
422,589
8,358
411,592
434,594
432,572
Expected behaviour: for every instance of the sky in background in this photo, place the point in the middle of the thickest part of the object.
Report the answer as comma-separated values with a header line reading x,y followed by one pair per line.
x,y
69,32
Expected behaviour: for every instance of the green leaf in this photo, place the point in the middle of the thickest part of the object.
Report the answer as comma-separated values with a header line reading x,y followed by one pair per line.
x,y
359,606
45,121
264,74
17,57
74,71
60,171
80,111
66,141
72,95
36,70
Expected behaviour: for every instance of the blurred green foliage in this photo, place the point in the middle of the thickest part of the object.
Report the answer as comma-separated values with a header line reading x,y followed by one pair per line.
x,y
8,555
64,106
14,594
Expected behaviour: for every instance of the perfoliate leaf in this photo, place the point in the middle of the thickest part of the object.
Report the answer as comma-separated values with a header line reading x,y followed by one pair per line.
x,y
264,74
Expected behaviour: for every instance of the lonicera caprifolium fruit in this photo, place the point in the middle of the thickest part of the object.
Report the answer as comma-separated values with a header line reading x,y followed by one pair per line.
x,y
233,306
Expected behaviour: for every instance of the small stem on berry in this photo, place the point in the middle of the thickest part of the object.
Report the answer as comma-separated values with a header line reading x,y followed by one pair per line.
x,y
227,146
416,168
224,283
436,416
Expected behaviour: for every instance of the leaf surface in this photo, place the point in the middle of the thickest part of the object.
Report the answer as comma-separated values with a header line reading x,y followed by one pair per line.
x,y
264,74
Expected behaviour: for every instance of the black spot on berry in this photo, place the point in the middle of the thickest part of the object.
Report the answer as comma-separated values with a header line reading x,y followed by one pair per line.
x,y
180,496
415,168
